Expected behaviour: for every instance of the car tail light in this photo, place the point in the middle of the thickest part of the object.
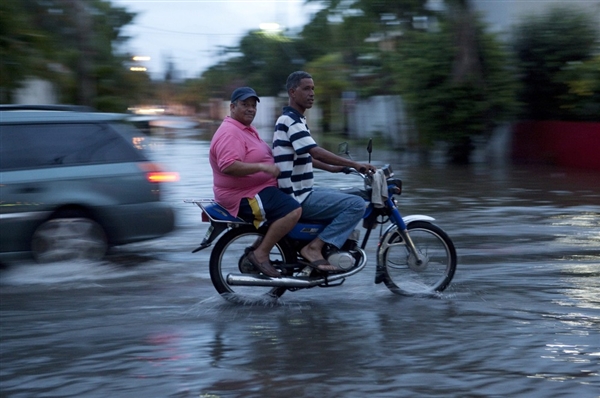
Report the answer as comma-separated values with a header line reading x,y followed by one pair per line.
x,y
163,176
154,173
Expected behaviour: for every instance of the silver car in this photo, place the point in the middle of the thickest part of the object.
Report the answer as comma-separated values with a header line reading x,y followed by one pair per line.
x,y
73,183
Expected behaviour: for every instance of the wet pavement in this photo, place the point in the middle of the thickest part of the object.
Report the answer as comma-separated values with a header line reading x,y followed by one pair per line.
x,y
521,318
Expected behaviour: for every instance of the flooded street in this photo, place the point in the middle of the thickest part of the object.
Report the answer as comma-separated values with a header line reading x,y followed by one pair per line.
x,y
520,319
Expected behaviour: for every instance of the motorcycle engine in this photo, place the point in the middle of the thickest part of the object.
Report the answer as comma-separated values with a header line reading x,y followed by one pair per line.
x,y
344,260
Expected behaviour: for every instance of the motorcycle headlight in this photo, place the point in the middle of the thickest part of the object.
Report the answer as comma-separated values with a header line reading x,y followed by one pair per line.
x,y
387,171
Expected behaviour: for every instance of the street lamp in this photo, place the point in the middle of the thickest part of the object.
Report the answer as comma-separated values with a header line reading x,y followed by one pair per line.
x,y
270,27
139,58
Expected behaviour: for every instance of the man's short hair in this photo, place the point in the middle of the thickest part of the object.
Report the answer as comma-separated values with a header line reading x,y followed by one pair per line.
x,y
294,79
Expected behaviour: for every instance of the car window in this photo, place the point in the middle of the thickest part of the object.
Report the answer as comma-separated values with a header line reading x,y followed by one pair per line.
x,y
54,145
138,139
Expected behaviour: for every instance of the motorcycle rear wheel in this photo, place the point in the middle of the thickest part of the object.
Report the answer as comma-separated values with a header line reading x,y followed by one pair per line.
x,y
227,257
404,275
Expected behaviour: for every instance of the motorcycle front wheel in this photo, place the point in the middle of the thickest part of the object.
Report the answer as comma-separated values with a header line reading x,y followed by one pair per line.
x,y
229,257
431,271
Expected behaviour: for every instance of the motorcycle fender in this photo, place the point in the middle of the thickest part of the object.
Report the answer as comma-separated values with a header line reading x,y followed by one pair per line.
x,y
212,233
417,217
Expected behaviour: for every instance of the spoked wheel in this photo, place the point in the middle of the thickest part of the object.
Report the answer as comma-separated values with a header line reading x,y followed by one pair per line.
x,y
61,239
229,257
433,268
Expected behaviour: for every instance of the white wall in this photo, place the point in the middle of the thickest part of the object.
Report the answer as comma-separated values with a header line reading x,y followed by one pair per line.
x,y
36,92
382,115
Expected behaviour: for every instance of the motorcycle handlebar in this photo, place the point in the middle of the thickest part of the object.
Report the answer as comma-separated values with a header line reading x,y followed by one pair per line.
x,y
352,170
387,171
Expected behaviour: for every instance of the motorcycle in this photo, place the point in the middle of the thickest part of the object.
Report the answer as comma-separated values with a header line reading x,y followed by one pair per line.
x,y
414,255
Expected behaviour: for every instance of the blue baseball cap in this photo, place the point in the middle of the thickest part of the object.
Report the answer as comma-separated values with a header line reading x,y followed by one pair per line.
x,y
243,93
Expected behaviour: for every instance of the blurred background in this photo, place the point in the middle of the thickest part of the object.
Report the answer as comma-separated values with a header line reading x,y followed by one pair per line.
x,y
468,79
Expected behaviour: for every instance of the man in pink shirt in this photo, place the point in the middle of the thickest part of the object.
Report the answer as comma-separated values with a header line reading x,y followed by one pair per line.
x,y
245,178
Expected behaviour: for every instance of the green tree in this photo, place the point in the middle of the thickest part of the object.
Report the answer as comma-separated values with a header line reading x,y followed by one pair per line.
x,y
582,99
261,60
266,61
221,79
336,36
331,77
450,101
456,80
547,46
364,32
22,47
72,43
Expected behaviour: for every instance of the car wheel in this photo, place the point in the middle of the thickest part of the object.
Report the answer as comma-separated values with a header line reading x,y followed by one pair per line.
x,y
62,239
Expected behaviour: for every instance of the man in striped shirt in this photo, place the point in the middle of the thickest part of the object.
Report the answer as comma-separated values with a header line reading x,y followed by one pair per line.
x,y
296,153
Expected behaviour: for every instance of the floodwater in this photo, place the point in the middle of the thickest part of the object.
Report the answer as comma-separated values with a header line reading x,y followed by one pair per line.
x,y
521,318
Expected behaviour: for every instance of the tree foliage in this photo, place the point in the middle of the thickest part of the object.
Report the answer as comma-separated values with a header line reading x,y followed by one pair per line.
x,y
331,77
266,60
551,49
338,33
581,101
364,33
451,108
456,80
22,47
72,43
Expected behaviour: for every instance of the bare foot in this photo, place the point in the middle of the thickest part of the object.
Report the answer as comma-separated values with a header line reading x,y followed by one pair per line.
x,y
310,254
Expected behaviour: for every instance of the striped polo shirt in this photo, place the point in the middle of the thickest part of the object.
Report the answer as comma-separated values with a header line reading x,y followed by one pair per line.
x,y
291,143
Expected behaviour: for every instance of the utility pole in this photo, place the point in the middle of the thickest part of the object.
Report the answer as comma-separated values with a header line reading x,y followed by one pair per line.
x,y
86,91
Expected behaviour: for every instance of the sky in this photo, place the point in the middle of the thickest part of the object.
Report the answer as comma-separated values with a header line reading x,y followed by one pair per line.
x,y
191,32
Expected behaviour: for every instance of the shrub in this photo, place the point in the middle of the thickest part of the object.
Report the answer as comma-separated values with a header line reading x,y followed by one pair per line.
x,y
555,54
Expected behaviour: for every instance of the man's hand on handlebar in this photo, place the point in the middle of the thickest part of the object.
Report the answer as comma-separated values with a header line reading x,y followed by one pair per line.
x,y
366,167
362,168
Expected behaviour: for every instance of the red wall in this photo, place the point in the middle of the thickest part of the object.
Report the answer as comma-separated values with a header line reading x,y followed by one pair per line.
x,y
570,144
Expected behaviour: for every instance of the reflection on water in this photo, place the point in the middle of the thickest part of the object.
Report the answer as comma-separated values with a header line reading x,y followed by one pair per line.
x,y
522,317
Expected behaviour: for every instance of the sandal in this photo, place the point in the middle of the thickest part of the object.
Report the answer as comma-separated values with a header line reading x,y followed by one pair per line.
x,y
266,267
323,266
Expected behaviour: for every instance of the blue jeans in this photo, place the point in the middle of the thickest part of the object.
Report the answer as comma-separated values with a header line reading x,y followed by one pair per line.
x,y
343,211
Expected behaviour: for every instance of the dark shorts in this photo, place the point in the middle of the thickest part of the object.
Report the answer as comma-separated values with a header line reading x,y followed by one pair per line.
x,y
269,205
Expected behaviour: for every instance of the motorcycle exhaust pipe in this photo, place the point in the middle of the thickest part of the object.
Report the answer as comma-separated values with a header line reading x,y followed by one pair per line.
x,y
260,280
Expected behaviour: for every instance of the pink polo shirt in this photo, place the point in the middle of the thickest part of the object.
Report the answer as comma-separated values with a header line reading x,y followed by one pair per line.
x,y
234,141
